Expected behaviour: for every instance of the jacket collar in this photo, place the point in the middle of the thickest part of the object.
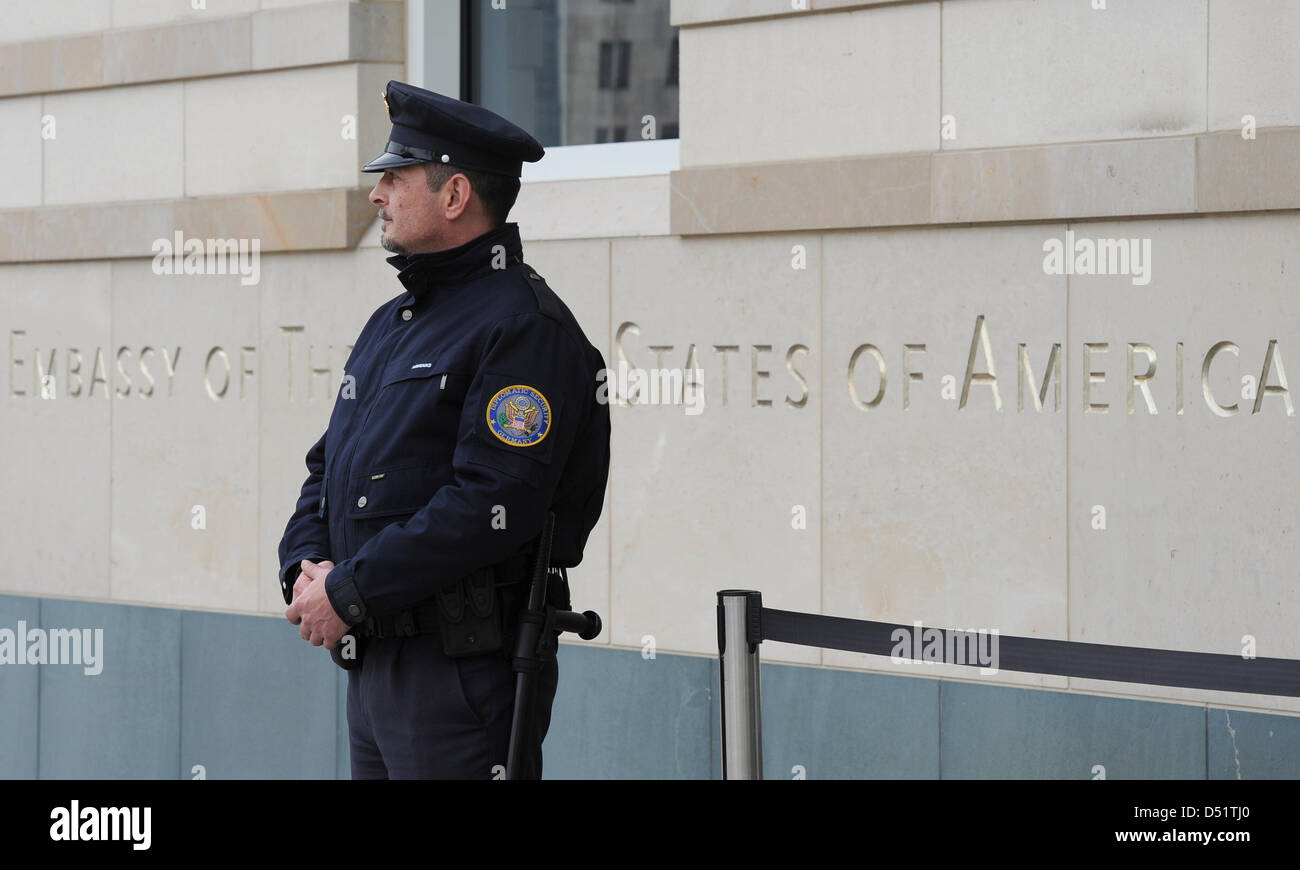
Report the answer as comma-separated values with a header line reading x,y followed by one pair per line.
x,y
420,273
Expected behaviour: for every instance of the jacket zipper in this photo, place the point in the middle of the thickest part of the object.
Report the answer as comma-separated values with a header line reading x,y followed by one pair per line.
x,y
356,433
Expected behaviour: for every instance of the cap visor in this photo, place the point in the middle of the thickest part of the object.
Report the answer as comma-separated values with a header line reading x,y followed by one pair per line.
x,y
388,160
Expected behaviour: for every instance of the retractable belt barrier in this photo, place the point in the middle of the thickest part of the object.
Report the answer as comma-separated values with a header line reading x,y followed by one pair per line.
x,y
743,624
1066,658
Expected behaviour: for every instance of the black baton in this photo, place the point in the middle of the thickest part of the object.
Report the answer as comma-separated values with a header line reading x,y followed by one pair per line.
x,y
536,621
528,660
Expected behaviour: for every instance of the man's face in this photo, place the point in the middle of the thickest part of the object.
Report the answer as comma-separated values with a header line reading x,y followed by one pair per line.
x,y
412,219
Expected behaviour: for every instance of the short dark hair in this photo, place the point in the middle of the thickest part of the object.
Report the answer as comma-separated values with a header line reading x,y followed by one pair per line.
x,y
497,192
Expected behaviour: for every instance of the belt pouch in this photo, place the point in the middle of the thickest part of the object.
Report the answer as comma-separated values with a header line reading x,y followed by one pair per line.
x,y
469,616
348,651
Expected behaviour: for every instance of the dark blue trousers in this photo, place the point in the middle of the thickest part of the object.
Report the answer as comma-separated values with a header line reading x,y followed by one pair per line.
x,y
413,713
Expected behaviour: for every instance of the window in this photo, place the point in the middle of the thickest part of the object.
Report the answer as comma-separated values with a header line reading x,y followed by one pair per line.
x,y
603,134
538,63
613,64
574,73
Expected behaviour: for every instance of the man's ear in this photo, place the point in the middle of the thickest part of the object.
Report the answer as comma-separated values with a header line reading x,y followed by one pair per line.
x,y
462,192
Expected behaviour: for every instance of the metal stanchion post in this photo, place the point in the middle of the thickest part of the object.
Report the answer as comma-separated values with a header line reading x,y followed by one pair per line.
x,y
739,634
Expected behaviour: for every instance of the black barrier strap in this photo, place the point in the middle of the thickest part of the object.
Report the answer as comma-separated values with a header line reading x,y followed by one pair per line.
x,y
754,623
1093,661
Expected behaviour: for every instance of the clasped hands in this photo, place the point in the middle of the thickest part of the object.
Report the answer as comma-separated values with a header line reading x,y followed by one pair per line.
x,y
311,610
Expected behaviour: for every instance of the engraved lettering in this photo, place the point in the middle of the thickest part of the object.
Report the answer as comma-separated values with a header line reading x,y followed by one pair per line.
x,y
665,385
1141,380
44,375
1091,377
1272,358
315,371
287,332
14,362
1206,392
169,362
123,393
723,350
244,371
626,327
142,392
659,350
207,373
757,374
979,339
908,374
1179,354
1052,376
789,367
875,353
98,374
693,386
73,370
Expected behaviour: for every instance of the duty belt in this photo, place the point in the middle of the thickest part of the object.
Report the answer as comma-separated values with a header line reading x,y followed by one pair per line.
x,y
423,618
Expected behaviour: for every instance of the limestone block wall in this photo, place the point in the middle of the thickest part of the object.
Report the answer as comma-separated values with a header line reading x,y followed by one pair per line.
x,y
903,175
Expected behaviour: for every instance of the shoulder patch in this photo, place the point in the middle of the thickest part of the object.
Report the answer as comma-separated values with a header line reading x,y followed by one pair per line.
x,y
519,415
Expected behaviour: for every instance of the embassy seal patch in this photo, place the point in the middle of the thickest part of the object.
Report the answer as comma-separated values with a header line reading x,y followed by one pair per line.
x,y
519,415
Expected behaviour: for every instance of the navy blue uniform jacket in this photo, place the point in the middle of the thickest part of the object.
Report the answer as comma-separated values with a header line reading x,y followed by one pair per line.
x,y
414,485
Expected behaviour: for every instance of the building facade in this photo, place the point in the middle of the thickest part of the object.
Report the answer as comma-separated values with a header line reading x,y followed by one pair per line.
x,y
989,299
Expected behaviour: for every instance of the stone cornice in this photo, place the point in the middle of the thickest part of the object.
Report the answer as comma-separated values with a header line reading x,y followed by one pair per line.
x,y
291,221
1181,175
320,33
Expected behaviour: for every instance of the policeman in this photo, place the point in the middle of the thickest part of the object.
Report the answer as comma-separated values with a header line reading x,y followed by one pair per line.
x,y
468,411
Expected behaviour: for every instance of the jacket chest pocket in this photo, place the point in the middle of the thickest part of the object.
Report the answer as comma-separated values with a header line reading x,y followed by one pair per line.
x,y
424,381
391,494
382,498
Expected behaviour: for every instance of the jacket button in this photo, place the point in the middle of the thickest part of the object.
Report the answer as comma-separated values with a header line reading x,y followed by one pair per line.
x,y
361,502
354,610
534,276
406,314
